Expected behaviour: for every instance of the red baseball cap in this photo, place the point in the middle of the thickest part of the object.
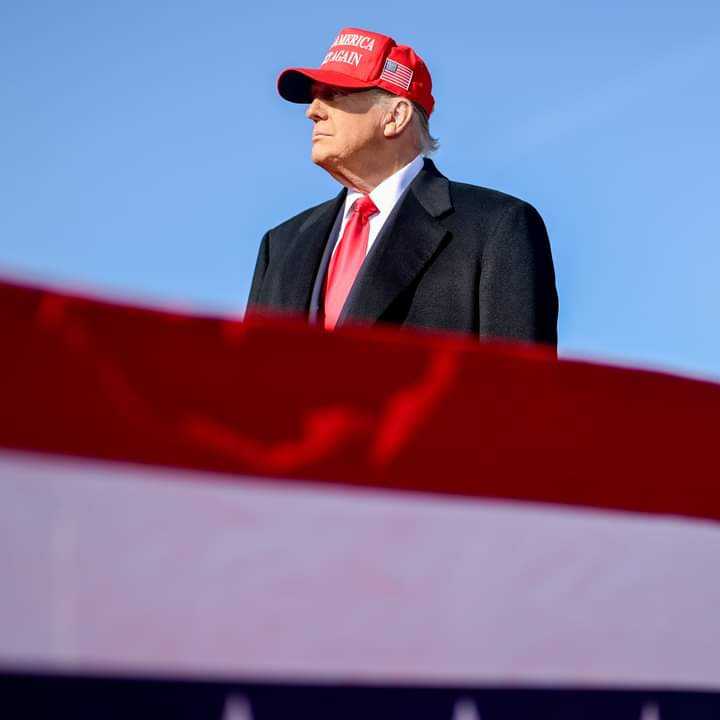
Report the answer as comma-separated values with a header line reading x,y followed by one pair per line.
x,y
362,59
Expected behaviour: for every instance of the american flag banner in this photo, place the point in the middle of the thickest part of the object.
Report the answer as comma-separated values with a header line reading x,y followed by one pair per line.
x,y
397,74
194,526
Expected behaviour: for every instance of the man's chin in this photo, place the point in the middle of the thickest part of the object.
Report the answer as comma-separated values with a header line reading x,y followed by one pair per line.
x,y
321,157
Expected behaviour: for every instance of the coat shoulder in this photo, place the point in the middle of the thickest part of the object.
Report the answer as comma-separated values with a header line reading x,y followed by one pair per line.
x,y
482,199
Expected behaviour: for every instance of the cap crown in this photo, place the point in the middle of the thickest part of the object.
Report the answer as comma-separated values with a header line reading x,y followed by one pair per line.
x,y
359,53
359,59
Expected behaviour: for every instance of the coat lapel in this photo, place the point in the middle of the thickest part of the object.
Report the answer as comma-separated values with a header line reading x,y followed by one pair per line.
x,y
303,257
403,249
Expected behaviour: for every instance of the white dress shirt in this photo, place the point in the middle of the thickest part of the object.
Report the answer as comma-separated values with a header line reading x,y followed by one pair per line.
x,y
385,197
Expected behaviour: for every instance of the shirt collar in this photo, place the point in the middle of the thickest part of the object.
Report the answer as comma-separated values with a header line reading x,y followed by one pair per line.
x,y
386,194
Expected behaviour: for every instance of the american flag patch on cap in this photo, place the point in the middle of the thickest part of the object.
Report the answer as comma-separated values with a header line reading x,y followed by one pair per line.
x,y
397,74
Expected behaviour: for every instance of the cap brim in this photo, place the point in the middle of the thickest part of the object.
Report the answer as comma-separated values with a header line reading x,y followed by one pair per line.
x,y
295,84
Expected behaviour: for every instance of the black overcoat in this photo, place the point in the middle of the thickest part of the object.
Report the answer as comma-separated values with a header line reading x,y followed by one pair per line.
x,y
450,257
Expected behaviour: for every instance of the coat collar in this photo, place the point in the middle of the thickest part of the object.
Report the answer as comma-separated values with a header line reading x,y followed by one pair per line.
x,y
305,253
407,243
432,189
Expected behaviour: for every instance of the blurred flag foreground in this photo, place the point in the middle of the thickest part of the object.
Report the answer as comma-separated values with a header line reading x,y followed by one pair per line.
x,y
204,518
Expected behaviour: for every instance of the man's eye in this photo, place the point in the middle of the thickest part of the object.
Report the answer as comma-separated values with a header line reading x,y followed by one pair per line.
x,y
333,94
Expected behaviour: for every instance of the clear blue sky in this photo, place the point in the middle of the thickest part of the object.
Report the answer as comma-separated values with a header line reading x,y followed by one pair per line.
x,y
144,151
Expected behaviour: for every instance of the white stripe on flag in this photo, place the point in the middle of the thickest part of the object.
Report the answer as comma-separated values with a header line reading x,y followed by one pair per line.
x,y
119,567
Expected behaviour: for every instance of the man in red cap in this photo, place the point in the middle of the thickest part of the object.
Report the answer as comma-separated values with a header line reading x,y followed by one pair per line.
x,y
400,243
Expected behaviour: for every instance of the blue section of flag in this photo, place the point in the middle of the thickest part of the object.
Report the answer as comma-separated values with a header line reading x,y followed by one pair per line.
x,y
90,697
390,65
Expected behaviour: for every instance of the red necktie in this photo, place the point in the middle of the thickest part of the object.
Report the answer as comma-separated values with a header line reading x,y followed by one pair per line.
x,y
347,259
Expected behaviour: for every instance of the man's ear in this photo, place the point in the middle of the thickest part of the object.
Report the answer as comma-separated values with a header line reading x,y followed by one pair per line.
x,y
398,118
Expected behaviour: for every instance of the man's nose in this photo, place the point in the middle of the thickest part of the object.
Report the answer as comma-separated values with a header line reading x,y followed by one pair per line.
x,y
316,111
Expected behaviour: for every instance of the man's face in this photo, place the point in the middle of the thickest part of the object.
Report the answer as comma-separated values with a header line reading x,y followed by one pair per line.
x,y
347,127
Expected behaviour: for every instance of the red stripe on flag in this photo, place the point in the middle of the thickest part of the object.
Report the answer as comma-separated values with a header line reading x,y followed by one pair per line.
x,y
428,412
